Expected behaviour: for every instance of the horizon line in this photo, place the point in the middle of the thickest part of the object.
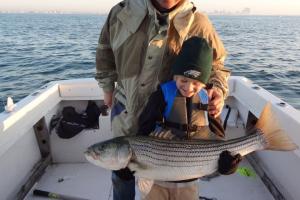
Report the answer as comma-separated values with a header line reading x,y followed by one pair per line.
x,y
106,13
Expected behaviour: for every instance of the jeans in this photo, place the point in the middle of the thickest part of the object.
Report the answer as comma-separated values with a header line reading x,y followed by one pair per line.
x,y
122,189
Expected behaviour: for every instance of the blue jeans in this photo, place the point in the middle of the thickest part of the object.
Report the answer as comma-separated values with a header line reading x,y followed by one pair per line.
x,y
122,189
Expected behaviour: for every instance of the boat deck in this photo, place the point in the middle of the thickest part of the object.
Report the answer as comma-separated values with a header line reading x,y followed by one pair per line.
x,y
91,182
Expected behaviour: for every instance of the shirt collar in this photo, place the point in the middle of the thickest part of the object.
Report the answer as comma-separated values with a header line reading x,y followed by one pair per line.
x,y
182,16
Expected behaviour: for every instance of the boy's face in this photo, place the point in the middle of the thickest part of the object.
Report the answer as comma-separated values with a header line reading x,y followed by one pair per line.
x,y
188,87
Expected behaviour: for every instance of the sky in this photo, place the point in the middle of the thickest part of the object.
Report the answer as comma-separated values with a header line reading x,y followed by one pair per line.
x,y
260,7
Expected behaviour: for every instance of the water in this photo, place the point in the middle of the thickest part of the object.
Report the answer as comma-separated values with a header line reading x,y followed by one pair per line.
x,y
38,48
265,49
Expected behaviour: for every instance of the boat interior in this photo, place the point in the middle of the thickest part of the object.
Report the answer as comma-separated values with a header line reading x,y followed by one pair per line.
x,y
34,157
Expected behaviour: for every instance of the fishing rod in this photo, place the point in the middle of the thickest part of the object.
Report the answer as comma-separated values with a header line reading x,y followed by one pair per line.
x,y
52,195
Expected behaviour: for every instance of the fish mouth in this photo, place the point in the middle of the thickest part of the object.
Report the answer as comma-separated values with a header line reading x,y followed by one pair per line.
x,y
92,154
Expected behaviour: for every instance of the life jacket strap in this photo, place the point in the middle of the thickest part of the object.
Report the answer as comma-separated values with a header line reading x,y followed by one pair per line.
x,y
182,127
202,106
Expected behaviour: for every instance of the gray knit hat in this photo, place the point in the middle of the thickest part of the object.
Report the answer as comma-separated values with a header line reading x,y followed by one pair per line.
x,y
194,60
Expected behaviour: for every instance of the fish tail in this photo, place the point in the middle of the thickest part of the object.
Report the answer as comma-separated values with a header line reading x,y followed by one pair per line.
x,y
276,138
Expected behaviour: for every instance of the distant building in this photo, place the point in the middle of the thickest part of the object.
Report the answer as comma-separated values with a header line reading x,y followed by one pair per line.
x,y
246,11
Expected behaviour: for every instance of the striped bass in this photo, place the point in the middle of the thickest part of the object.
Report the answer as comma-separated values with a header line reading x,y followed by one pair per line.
x,y
173,160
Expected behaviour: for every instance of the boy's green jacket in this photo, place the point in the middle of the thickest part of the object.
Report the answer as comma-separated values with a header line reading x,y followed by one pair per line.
x,y
136,49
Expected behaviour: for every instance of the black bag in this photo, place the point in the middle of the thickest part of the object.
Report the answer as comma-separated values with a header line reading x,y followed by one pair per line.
x,y
72,123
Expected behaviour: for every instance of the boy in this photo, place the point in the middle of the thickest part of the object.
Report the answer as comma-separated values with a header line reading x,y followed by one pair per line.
x,y
178,109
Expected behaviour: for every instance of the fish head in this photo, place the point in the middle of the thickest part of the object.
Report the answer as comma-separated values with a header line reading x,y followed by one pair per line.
x,y
113,154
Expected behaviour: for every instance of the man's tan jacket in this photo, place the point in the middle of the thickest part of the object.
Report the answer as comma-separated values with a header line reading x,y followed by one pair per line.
x,y
136,48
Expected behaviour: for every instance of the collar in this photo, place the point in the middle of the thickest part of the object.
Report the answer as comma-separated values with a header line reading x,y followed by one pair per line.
x,y
133,14
183,18
135,11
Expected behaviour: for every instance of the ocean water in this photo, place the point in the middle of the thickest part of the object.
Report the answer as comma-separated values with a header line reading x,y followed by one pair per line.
x,y
38,48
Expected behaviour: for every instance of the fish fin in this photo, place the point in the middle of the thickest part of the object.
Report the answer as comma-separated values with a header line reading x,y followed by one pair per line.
x,y
277,139
145,186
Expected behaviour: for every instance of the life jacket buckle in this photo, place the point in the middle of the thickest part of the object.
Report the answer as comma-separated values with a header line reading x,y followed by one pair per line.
x,y
202,106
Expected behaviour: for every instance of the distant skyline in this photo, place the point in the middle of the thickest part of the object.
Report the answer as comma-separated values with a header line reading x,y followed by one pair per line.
x,y
257,7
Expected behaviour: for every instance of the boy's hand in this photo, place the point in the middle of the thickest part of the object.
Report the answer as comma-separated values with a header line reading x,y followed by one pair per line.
x,y
227,163
216,102
167,135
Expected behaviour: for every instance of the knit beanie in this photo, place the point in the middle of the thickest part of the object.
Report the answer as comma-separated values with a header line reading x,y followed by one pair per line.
x,y
194,60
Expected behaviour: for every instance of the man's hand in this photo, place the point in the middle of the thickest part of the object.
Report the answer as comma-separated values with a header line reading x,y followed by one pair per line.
x,y
108,98
216,102
227,163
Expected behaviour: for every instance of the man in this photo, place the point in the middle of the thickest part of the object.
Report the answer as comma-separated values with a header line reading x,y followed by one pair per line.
x,y
136,48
